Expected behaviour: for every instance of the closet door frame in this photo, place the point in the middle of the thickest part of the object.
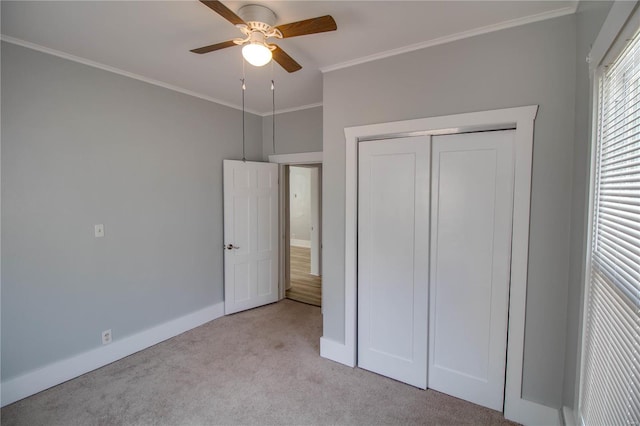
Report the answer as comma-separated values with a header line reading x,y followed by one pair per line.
x,y
520,119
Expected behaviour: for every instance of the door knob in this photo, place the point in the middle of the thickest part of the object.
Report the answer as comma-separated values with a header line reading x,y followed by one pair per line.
x,y
231,247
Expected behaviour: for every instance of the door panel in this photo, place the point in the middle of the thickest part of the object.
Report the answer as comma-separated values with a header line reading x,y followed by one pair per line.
x,y
471,210
265,232
264,274
240,278
251,226
392,248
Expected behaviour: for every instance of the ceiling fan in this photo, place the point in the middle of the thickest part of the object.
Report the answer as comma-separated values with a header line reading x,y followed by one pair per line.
x,y
257,24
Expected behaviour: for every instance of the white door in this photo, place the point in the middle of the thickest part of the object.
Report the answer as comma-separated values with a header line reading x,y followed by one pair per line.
x,y
393,253
471,211
250,234
316,193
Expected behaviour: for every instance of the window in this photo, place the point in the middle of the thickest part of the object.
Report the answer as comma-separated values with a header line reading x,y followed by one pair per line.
x,y
610,378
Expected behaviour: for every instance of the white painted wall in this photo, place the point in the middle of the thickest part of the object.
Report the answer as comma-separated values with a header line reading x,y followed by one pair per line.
x,y
300,205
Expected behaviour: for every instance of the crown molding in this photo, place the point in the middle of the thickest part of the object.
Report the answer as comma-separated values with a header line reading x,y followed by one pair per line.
x,y
294,109
569,10
389,53
114,70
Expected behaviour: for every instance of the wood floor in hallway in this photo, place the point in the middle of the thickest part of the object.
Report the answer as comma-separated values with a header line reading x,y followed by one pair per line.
x,y
305,287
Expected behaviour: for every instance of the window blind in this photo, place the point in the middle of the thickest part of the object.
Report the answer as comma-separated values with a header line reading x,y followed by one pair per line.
x,y
610,382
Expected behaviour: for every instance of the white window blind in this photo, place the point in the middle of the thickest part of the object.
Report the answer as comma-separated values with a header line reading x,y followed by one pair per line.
x,y
610,382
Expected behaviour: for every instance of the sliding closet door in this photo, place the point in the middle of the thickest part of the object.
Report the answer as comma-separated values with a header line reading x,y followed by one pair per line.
x,y
393,253
471,211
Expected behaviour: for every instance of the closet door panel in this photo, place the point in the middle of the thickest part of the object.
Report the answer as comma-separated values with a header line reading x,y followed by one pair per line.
x,y
392,252
471,210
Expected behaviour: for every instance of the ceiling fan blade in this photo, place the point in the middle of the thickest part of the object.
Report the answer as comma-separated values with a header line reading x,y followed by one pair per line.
x,y
223,11
285,61
308,26
212,47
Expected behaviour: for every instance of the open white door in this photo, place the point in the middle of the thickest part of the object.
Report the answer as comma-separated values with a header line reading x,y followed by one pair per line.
x,y
250,234
393,253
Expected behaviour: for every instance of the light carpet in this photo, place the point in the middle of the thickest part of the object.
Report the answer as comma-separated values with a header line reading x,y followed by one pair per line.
x,y
256,367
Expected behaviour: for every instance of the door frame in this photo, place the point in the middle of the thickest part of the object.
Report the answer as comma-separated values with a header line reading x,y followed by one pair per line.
x,y
289,160
520,119
316,219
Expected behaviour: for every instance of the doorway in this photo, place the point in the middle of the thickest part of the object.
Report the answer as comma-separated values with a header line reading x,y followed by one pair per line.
x,y
300,226
303,220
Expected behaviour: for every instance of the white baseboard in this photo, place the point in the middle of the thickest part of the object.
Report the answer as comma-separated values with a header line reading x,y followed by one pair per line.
x,y
522,411
66,369
301,243
531,413
337,352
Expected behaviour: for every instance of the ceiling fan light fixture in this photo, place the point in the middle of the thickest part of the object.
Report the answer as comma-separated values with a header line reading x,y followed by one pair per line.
x,y
256,23
257,54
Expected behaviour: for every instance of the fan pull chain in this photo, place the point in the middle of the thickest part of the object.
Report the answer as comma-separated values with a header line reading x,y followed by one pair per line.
x,y
244,87
273,111
273,115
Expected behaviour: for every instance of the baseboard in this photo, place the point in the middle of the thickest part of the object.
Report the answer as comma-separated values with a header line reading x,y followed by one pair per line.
x,y
531,413
67,369
569,417
337,352
301,243
520,410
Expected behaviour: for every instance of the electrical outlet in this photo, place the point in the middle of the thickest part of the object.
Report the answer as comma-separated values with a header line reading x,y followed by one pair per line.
x,y
106,337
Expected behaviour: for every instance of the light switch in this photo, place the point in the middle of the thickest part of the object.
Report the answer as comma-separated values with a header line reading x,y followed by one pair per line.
x,y
99,230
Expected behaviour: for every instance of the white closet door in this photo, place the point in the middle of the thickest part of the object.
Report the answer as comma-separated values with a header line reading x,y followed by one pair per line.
x,y
393,253
471,210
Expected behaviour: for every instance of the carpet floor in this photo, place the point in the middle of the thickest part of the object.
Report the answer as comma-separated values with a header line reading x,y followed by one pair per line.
x,y
305,287
256,367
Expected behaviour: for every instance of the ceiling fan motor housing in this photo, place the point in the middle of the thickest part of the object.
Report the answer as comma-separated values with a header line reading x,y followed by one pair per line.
x,y
258,17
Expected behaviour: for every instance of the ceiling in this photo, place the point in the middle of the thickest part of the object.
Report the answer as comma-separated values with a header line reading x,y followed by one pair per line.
x,y
150,40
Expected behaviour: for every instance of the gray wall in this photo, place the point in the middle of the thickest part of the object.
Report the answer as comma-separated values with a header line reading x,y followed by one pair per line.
x,y
296,131
82,146
590,18
532,64
300,203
